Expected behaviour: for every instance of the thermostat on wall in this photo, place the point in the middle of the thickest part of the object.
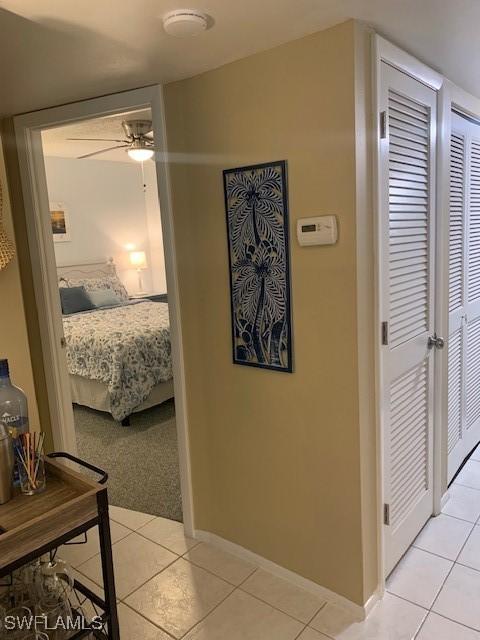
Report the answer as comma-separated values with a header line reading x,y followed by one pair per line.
x,y
320,230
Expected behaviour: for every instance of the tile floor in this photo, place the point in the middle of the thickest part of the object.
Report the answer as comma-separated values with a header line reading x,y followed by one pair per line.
x,y
440,574
170,586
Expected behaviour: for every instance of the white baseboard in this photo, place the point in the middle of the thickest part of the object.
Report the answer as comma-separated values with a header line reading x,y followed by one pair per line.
x,y
358,611
445,499
371,602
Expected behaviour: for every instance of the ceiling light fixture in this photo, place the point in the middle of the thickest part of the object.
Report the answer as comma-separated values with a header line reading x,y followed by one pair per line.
x,y
139,152
185,22
138,141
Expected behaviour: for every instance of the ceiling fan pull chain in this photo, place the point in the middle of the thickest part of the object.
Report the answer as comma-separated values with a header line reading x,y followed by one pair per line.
x,y
143,178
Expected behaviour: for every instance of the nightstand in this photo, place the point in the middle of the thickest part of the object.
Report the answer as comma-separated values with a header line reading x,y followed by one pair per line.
x,y
154,297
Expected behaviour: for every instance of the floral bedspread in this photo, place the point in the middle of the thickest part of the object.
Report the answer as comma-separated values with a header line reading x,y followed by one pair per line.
x,y
126,347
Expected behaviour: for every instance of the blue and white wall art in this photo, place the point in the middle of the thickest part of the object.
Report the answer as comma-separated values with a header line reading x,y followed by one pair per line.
x,y
257,223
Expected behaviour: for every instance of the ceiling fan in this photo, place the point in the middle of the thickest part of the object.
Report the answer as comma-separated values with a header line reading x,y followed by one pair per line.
x,y
138,143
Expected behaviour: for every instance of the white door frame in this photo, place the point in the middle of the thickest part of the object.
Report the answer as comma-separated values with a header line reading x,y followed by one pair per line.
x,y
28,135
384,51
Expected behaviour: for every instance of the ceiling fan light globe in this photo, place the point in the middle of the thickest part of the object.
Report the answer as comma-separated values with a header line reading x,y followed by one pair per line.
x,y
140,155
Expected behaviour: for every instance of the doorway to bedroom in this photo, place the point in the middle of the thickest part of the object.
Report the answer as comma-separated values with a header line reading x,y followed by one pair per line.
x,y
107,240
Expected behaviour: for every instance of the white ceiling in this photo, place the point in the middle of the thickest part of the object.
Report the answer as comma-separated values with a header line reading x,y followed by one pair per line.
x,y
56,51
56,143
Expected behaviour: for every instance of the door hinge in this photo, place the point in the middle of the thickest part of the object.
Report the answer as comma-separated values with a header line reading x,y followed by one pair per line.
x,y
383,124
384,332
386,514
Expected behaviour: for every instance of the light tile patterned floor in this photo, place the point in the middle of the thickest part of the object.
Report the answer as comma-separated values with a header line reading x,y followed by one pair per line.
x,y
170,586
441,571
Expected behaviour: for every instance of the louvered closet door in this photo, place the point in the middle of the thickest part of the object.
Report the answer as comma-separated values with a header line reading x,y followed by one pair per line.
x,y
464,293
406,176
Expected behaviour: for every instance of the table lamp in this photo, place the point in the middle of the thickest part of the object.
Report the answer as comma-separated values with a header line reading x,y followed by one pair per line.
x,y
138,259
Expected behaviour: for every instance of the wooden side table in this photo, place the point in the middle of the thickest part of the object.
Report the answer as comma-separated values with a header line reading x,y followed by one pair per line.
x,y
71,504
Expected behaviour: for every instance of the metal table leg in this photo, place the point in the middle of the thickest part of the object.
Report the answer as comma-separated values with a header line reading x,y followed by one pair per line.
x,y
107,566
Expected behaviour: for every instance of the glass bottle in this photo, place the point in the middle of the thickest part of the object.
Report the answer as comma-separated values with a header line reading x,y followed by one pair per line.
x,y
13,408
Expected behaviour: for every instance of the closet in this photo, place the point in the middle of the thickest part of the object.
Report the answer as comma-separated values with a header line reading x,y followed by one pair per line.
x,y
463,354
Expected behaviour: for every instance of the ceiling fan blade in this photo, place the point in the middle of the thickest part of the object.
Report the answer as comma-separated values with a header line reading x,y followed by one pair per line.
x,y
95,153
97,139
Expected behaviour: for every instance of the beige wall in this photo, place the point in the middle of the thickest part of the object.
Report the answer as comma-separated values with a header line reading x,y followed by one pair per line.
x,y
276,457
283,464
13,329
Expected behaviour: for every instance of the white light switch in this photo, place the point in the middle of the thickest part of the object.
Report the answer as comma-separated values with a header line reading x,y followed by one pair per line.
x,y
320,230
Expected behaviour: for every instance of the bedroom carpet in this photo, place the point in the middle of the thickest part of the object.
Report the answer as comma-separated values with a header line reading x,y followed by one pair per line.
x,y
141,460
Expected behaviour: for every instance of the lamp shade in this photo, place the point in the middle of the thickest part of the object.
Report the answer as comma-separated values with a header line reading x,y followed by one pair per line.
x,y
138,259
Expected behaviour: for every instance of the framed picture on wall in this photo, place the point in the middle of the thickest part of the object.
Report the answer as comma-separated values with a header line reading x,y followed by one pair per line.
x,y
60,222
256,206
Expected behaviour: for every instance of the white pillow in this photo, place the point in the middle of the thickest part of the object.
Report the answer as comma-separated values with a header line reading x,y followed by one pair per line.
x,y
105,282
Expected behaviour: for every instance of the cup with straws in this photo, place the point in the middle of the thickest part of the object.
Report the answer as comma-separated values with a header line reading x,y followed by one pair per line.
x,y
30,460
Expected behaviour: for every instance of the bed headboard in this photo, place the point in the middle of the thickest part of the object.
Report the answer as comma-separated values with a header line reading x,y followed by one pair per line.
x,y
94,269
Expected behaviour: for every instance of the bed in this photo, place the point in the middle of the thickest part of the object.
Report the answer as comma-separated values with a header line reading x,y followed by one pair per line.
x,y
118,356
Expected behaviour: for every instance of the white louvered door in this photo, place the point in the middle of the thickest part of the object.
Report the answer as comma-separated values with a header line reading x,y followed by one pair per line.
x,y
406,177
464,293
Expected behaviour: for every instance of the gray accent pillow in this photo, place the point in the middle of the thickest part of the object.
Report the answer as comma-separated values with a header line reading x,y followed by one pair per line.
x,y
104,297
74,300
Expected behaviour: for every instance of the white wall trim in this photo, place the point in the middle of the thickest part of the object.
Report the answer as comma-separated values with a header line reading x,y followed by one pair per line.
x,y
396,57
461,100
173,288
441,299
365,290
445,499
34,187
377,44
376,596
359,612
42,253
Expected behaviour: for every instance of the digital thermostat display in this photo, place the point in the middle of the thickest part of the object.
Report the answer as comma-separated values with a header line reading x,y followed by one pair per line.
x,y
319,230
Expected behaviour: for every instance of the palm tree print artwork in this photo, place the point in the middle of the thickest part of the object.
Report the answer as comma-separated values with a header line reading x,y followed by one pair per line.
x,y
257,225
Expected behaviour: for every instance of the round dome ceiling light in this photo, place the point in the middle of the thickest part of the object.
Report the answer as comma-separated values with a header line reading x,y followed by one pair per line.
x,y
139,151
140,155
185,22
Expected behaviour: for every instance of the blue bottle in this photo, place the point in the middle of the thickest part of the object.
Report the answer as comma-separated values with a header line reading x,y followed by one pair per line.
x,y
13,407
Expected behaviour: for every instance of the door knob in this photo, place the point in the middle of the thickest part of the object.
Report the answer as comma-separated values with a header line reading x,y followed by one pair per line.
x,y
435,341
